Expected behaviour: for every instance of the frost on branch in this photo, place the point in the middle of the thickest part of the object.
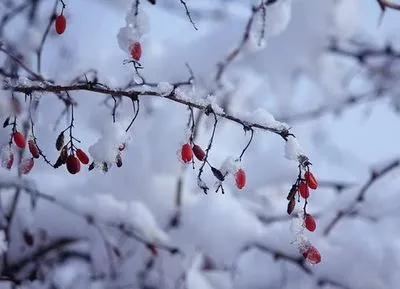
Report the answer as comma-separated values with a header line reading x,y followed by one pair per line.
x,y
270,21
293,150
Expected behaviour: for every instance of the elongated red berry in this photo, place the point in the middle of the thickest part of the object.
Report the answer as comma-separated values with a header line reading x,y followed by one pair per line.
x,y
7,159
82,156
73,164
198,152
186,153
136,51
311,181
26,166
240,179
33,149
61,24
303,190
312,255
19,139
309,222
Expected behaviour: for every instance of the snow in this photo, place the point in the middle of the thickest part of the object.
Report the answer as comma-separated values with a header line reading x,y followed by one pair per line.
x,y
164,88
293,150
107,146
291,74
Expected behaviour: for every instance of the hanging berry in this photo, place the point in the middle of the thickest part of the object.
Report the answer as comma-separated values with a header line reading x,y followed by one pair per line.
x,y
186,153
312,255
82,156
33,149
309,222
118,160
198,152
60,141
73,164
310,179
136,51
28,238
19,139
303,190
7,159
290,206
61,24
240,179
26,166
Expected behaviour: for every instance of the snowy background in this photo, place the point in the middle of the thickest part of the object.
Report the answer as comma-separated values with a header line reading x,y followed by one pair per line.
x,y
240,239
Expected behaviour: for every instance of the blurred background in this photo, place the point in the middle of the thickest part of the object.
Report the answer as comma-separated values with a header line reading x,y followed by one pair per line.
x,y
328,69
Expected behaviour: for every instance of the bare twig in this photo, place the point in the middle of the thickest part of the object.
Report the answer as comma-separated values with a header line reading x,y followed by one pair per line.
x,y
375,176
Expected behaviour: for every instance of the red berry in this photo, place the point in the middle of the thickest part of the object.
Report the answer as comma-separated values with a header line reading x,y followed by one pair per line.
x,y
136,51
121,147
240,178
186,153
198,152
33,149
10,161
303,190
309,223
73,164
7,159
26,166
311,181
19,139
82,156
61,24
312,255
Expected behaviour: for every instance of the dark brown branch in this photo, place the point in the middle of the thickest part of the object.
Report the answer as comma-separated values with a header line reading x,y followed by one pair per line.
x,y
134,94
246,36
375,176
388,4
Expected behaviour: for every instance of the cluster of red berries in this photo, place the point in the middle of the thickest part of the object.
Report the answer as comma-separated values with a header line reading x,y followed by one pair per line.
x,y
302,189
20,142
187,152
72,160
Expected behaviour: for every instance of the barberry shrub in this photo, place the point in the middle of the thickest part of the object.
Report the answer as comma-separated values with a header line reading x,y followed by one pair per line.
x,y
155,167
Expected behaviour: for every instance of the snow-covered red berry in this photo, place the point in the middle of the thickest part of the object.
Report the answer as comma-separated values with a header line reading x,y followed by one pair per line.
x,y
312,255
7,158
310,180
73,164
303,190
198,152
186,153
309,222
61,24
26,166
34,150
240,179
19,139
82,156
136,51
